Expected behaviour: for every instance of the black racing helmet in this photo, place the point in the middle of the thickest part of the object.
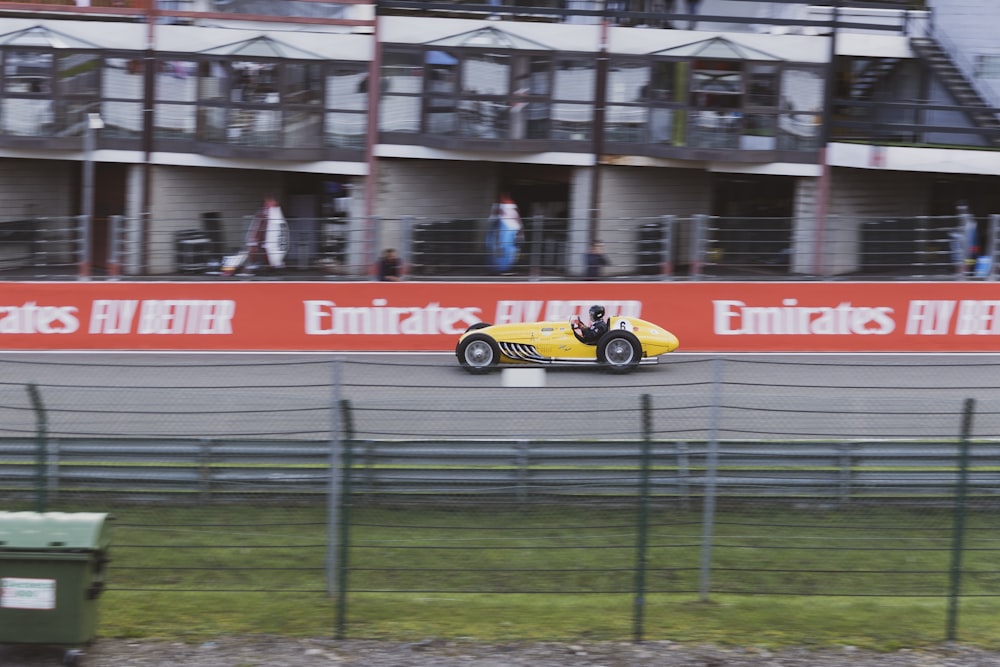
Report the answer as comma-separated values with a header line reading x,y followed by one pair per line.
x,y
596,313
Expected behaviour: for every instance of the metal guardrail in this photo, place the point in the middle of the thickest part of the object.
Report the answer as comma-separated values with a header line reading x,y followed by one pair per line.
x,y
209,469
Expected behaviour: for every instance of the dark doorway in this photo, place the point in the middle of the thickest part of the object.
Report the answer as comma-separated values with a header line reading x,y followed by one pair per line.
x,y
752,229
110,180
317,209
542,194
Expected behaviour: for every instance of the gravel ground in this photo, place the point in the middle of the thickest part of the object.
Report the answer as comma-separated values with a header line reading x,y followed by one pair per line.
x,y
284,652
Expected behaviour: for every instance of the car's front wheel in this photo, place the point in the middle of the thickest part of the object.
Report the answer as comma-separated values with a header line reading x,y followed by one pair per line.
x,y
619,351
478,353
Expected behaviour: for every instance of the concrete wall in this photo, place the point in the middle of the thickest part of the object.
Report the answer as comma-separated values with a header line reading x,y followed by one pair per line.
x,y
183,194
431,190
856,196
633,196
36,188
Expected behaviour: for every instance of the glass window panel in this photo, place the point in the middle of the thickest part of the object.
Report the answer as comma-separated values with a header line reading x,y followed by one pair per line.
x,y
628,82
483,119
303,83
626,123
346,130
254,127
399,114
759,132
28,72
762,86
801,90
347,89
538,124
79,74
442,72
174,121
532,75
213,81
662,81
176,81
572,121
715,129
486,73
988,66
402,72
212,124
716,84
255,83
28,118
302,128
574,80
441,120
661,126
122,119
121,80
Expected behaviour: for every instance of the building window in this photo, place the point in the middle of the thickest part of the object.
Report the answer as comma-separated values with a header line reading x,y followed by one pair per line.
x,y
28,108
176,99
801,108
260,103
346,106
574,87
402,91
988,66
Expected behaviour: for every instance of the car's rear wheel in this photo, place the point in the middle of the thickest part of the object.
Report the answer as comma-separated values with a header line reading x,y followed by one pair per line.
x,y
619,351
478,353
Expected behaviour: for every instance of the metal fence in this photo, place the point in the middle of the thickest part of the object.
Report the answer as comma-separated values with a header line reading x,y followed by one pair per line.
x,y
700,247
405,478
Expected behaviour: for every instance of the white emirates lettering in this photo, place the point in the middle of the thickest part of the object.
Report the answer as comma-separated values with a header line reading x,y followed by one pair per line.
x,y
510,312
735,318
161,316
30,318
940,317
326,318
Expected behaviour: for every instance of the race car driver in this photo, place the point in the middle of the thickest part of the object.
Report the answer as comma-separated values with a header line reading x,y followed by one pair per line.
x,y
598,326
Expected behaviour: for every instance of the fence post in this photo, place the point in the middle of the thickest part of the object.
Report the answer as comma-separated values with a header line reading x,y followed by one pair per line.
x,y
642,531
958,529
523,465
336,463
406,246
668,231
991,246
345,517
83,247
41,451
711,470
114,246
535,247
699,225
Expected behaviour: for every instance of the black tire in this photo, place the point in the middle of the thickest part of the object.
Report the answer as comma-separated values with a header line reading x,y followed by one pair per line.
x,y
619,351
477,326
478,353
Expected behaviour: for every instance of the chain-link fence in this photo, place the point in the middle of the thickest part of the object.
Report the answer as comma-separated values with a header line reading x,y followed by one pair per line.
x,y
353,481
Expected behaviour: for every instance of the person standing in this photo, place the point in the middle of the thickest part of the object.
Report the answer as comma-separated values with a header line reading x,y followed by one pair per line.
x,y
389,266
596,260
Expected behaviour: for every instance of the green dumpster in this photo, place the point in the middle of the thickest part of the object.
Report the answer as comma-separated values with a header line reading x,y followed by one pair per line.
x,y
52,568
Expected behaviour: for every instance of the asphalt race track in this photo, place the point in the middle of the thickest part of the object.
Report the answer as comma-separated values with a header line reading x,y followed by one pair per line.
x,y
406,396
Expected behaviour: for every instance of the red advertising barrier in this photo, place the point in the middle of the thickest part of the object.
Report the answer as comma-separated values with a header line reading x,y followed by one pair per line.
x,y
372,316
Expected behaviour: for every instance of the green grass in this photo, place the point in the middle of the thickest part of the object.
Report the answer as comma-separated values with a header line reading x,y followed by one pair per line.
x,y
782,576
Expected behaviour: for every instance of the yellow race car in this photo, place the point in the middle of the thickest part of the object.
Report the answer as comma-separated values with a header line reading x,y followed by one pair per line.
x,y
628,342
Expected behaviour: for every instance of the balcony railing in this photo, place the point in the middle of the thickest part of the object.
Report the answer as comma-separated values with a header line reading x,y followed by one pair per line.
x,y
327,12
